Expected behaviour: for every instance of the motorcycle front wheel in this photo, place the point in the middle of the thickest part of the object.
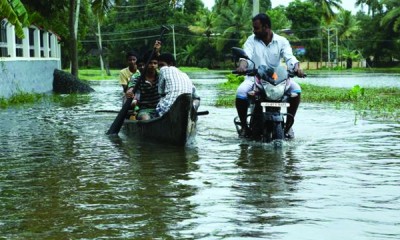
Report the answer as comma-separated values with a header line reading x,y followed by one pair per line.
x,y
278,135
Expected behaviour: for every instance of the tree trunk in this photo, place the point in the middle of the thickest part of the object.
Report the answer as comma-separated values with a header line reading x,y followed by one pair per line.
x,y
73,51
349,63
100,46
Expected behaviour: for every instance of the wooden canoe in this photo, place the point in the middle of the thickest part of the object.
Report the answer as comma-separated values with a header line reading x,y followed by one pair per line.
x,y
176,127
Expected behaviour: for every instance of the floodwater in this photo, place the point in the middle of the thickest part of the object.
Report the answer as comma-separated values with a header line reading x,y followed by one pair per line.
x,y
61,177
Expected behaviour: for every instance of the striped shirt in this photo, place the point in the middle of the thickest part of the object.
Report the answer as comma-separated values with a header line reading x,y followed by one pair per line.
x,y
172,83
148,92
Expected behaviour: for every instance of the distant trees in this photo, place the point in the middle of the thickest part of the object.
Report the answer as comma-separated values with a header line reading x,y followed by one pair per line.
x,y
204,37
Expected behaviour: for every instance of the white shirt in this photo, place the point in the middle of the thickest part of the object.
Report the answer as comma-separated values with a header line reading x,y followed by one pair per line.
x,y
271,54
172,83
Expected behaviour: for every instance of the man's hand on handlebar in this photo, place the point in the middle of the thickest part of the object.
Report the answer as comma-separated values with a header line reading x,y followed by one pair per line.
x,y
299,71
242,66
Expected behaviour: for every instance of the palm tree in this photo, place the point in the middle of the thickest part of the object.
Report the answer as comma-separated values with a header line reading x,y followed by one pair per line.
x,y
347,26
100,8
393,14
234,23
188,55
205,25
73,50
326,8
373,5
16,14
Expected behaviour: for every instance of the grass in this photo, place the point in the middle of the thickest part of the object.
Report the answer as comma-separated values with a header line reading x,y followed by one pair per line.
x,y
20,98
375,102
65,100
353,70
193,69
97,74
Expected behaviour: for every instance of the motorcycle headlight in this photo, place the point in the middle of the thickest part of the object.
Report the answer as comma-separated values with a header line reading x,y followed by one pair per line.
x,y
274,93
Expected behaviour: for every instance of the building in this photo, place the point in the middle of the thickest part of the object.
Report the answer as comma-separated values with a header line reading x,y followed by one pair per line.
x,y
27,65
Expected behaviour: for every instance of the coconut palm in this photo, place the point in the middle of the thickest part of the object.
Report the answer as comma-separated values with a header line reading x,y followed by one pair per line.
x,y
393,14
188,55
205,25
374,6
326,7
234,23
346,24
100,9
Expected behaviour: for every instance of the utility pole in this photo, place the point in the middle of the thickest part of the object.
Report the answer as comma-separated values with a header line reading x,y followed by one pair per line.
x,y
100,46
173,40
337,49
329,50
256,7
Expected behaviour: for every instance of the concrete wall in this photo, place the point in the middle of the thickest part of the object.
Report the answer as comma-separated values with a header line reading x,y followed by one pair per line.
x,y
27,65
26,75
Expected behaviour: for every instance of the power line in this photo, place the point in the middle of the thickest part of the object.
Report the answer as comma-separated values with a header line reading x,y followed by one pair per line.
x,y
129,32
143,5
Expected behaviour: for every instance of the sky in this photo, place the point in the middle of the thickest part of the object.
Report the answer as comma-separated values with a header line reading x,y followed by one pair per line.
x,y
346,4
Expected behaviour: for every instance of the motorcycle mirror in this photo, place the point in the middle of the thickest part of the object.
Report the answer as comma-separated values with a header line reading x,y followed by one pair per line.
x,y
240,53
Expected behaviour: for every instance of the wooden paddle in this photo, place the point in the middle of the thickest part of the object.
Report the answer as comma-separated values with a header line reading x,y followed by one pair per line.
x,y
119,120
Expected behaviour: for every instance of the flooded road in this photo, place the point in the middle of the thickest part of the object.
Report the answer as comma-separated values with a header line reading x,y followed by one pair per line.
x,y
61,177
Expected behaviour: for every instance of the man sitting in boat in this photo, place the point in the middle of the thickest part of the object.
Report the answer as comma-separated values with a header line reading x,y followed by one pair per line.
x,y
147,95
172,83
132,70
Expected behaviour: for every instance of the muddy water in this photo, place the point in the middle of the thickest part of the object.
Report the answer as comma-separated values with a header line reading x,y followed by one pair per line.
x,y
61,177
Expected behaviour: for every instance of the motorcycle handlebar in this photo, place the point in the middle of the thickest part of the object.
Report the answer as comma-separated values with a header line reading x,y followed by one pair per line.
x,y
252,72
249,72
293,74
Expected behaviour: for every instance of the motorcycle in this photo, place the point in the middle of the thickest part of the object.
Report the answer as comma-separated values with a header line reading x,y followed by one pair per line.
x,y
266,120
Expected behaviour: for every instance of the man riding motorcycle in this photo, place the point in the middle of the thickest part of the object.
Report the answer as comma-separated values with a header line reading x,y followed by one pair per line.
x,y
264,47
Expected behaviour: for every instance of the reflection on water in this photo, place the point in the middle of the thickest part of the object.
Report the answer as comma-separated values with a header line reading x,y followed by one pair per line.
x,y
61,177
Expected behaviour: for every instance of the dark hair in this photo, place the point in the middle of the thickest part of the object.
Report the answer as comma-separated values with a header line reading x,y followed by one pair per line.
x,y
168,58
131,54
148,56
264,19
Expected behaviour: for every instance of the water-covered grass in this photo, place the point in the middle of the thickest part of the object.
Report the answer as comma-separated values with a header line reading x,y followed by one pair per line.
x,y
20,98
66,100
97,74
376,102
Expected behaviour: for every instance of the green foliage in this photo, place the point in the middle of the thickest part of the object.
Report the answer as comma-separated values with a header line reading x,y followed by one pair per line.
x,y
353,55
278,18
188,56
96,74
356,92
392,17
376,102
69,100
135,24
326,7
234,25
383,44
16,14
20,98
306,24
233,81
